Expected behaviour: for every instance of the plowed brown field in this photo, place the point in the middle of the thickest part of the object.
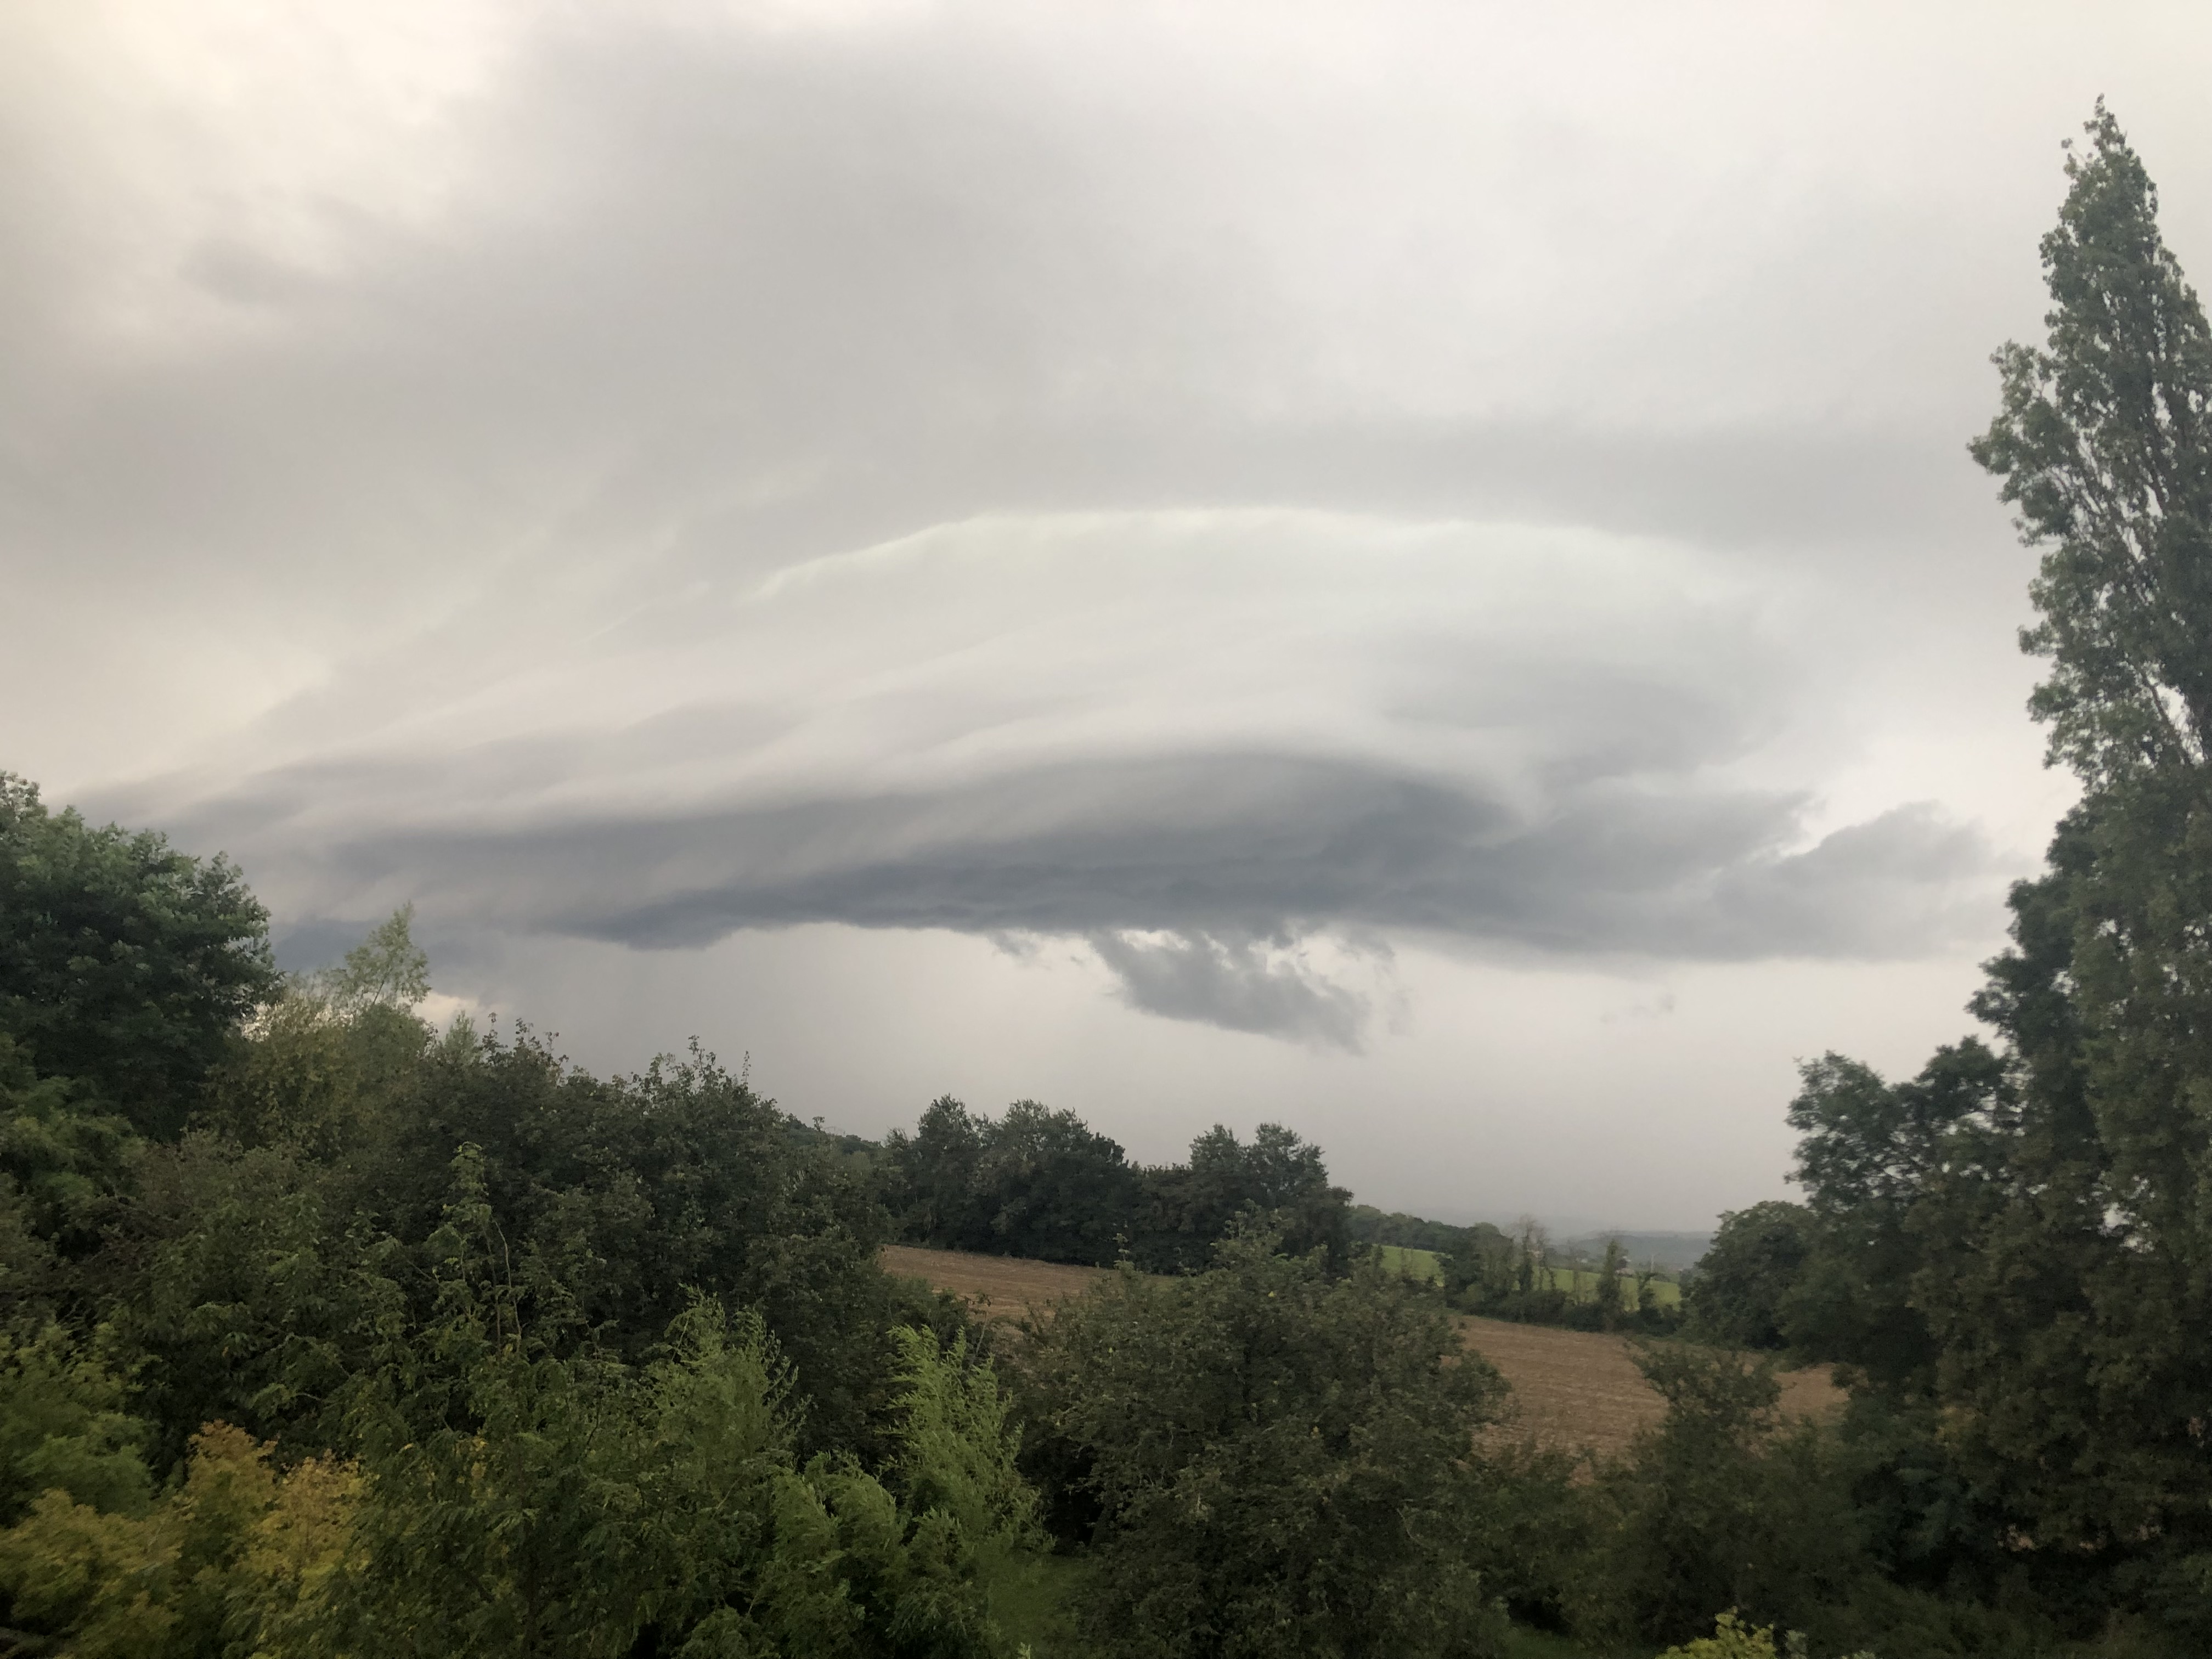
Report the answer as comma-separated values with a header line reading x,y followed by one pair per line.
x,y
1578,1391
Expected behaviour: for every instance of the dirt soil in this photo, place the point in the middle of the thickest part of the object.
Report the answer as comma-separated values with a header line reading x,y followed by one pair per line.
x,y
1578,1390
995,1286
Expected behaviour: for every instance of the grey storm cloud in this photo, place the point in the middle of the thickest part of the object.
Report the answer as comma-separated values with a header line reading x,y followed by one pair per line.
x,y
1221,844
676,471
1234,983
1170,735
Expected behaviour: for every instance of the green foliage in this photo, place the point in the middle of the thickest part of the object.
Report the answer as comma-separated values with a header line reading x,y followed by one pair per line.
x,y
1425,1266
1718,1507
1277,1179
956,1447
520,1503
1532,1529
1518,1279
251,1266
1280,1459
1746,1281
122,962
64,1427
2072,1376
1365,1224
64,1161
1607,1291
98,1580
1056,1190
253,1298
615,1199
236,1560
2104,441
1037,1183
1733,1639
934,1177
386,969
335,1057
1042,1184
2014,1249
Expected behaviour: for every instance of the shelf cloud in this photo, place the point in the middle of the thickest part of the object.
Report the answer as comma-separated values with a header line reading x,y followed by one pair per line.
x,y
657,474
1214,729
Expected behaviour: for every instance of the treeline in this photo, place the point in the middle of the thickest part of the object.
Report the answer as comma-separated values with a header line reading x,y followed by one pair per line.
x,y
322,1332
1517,1277
1042,1183
1368,1225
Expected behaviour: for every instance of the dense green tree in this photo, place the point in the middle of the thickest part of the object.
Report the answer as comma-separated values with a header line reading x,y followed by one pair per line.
x,y
519,1502
1280,1459
123,962
1043,1184
1276,1179
386,969
63,1425
1745,1281
64,1161
1057,1190
932,1184
1365,1224
2081,1399
1718,1508
2015,1249
615,1199
1611,1267
2104,441
1035,1182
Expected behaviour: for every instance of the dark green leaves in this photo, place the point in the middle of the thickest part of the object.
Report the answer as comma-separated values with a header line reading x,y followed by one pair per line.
x,y
1281,1459
122,962
2104,441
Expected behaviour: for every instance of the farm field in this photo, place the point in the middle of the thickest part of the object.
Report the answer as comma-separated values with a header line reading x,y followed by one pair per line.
x,y
1414,1264
1580,1283
1578,1390
997,1287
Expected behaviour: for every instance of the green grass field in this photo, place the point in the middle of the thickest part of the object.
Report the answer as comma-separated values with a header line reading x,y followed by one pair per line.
x,y
1582,1285
1414,1264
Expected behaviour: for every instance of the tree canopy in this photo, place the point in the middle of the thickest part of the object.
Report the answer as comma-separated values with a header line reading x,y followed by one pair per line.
x,y
123,963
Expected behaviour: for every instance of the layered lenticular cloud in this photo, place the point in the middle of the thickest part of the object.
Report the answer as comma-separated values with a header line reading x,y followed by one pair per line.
x,y
1225,492
1197,740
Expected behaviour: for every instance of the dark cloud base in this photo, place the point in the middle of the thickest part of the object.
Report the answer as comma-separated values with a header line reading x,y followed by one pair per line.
x,y
1214,852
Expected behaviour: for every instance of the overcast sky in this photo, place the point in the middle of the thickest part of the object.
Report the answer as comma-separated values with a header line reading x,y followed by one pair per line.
x,y
1406,570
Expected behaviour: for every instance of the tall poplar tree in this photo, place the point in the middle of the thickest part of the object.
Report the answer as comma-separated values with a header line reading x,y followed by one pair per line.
x,y
2105,443
2076,1337
2039,1220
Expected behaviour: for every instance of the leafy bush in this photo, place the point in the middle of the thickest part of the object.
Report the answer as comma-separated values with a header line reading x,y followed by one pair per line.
x,y
1281,1460
1740,1292
1720,1506
124,964
1732,1639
